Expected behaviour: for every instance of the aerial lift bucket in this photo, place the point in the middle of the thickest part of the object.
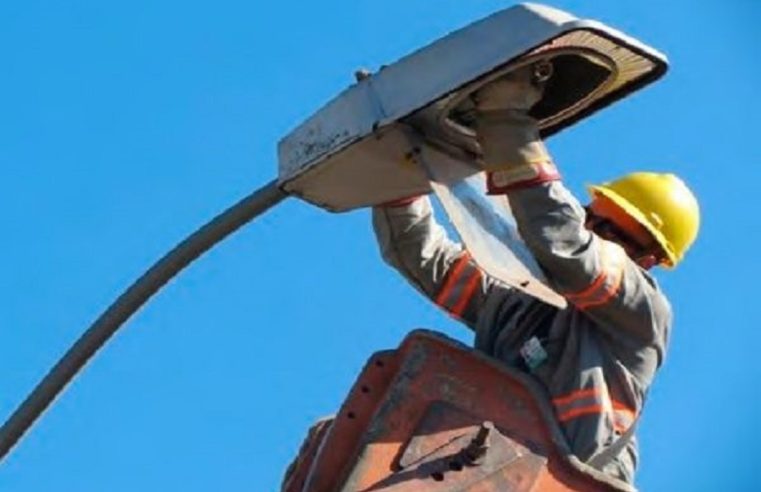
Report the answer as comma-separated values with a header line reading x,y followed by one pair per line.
x,y
434,415
407,130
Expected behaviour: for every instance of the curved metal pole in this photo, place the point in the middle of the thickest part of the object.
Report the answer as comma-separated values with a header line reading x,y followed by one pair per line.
x,y
128,303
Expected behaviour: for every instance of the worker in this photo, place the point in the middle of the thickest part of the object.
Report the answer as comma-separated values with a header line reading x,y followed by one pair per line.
x,y
597,356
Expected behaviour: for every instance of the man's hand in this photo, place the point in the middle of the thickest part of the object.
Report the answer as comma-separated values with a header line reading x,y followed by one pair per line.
x,y
509,138
520,90
513,151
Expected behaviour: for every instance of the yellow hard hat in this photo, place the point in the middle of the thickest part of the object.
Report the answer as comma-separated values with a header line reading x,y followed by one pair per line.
x,y
662,203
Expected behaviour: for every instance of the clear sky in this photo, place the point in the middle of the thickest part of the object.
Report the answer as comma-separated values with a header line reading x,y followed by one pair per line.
x,y
126,125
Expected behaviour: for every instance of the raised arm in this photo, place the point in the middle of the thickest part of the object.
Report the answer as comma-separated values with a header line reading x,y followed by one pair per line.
x,y
595,275
417,246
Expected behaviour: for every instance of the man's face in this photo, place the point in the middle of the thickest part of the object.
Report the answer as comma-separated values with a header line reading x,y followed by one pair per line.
x,y
638,243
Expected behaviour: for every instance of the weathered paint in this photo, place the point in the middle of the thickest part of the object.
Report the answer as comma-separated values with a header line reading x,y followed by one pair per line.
x,y
434,415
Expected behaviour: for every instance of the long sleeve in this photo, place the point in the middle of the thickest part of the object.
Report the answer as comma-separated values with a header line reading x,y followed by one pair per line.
x,y
417,246
594,275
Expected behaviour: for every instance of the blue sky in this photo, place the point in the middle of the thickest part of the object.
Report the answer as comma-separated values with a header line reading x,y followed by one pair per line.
x,y
126,125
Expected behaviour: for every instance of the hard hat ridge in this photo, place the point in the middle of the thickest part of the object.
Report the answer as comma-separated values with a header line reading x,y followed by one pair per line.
x,y
660,202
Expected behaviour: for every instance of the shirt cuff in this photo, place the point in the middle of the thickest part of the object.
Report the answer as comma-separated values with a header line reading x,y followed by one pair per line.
x,y
401,202
524,176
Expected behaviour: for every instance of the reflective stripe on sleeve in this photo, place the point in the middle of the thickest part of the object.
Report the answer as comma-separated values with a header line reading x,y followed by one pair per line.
x,y
460,284
594,401
607,284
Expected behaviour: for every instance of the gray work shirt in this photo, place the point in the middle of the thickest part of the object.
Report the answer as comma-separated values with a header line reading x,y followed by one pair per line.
x,y
602,351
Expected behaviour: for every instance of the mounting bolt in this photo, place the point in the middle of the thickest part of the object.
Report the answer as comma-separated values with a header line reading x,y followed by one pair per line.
x,y
479,445
542,71
362,74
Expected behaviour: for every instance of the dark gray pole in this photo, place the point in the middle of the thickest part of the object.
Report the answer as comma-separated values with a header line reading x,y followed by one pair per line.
x,y
128,303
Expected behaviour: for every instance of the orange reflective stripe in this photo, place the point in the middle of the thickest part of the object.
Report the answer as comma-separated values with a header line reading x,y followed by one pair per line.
x,y
594,401
623,417
467,293
620,407
564,400
607,284
596,284
452,278
618,425
578,412
461,282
